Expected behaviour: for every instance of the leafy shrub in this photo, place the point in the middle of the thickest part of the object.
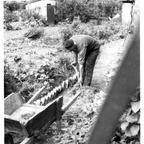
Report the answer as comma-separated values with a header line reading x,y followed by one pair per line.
x,y
28,15
11,83
76,22
10,16
26,91
66,34
34,33
109,8
128,130
11,13
23,18
14,6
103,33
55,75
65,67
7,26
102,8
25,15
32,17
36,16
70,9
86,11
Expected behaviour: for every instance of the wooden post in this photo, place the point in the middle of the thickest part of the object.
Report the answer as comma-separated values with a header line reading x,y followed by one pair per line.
x,y
59,103
27,140
65,107
32,99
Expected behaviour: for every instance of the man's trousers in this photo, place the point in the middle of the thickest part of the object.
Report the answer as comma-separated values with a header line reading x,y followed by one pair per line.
x,y
89,64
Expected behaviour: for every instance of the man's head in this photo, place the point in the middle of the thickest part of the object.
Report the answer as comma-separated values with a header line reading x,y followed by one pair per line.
x,y
69,45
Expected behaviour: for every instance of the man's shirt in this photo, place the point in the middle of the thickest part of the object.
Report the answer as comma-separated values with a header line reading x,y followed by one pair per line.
x,y
84,44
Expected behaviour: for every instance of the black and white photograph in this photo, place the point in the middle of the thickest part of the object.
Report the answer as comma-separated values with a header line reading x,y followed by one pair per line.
x,y
71,72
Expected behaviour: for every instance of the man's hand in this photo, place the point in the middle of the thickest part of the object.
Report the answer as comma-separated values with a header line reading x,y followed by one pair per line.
x,y
78,84
80,81
74,64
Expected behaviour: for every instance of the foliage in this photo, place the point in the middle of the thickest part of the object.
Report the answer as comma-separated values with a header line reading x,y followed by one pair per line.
x,y
34,33
25,15
26,91
32,18
76,22
55,75
26,81
106,32
66,33
109,8
65,67
11,6
70,9
128,130
65,11
7,26
14,6
23,19
86,11
11,82
10,16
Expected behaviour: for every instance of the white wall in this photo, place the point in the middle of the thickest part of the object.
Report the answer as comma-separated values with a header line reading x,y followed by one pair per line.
x,y
126,13
40,7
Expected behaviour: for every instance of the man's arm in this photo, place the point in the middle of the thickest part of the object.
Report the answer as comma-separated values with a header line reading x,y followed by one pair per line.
x,y
75,62
78,66
81,60
81,69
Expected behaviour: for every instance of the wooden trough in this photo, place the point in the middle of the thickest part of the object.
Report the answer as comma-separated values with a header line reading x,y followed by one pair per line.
x,y
27,118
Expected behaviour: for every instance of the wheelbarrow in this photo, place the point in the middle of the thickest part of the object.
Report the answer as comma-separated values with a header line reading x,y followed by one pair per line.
x,y
27,118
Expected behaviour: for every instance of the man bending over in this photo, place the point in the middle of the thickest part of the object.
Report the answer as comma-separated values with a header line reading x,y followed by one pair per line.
x,y
86,50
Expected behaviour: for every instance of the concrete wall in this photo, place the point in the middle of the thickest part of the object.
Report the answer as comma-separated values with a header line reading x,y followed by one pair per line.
x,y
126,13
40,7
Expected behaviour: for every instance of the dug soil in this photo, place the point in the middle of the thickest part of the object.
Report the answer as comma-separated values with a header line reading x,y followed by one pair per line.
x,y
75,124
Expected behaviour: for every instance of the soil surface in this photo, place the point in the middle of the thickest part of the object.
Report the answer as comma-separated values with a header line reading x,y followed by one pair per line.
x,y
77,121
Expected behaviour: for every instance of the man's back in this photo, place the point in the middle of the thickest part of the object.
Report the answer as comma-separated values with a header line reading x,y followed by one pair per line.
x,y
85,41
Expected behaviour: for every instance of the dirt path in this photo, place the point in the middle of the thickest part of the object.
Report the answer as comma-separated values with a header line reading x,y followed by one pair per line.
x,y
111,55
